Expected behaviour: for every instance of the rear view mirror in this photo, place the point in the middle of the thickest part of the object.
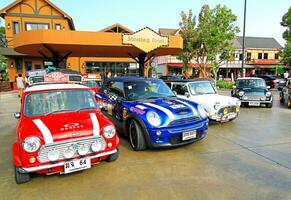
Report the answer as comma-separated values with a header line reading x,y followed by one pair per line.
x,y
17,115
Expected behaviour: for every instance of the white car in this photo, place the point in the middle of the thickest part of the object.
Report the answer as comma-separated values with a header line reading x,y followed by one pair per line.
x,y
219,108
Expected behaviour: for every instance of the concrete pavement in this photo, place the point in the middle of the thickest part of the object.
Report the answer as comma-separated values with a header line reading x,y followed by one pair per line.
x,y
248,158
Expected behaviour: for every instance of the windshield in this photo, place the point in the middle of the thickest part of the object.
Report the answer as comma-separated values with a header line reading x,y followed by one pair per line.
x,y
148,89
199,88
251,83
42,103
92,84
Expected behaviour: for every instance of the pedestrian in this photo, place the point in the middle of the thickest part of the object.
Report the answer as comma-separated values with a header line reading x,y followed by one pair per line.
x,y
20,84
108,75
286,74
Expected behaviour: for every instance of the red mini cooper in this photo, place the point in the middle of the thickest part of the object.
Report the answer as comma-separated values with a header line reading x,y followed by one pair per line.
x,y
61,130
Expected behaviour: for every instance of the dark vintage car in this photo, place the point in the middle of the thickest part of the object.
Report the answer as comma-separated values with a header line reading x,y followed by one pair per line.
x,y
285,94
150,114
252,92
271,81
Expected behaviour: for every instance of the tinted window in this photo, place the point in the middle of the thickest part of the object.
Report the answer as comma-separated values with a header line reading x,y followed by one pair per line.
x,y
251,83
115,88
180,89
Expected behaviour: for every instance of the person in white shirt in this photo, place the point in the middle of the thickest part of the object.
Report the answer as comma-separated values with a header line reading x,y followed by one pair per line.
x,y
20,84
286,75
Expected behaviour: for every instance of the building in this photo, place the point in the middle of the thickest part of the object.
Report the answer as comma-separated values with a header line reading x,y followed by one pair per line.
x,y
25,15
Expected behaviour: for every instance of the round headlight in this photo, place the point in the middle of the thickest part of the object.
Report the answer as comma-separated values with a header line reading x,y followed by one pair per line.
x,y
98,145
69,153
268,94
83,150
241,93
216,105
153,118
109,131
202,112
53,155
31,144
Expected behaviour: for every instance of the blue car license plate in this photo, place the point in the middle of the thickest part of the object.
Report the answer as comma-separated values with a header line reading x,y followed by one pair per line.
x,y
189,135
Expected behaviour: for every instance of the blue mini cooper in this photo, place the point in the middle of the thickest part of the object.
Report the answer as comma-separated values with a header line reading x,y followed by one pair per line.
x,y
147,112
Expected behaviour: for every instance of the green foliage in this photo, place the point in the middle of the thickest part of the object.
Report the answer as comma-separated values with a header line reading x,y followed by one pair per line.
x,y
211,40
286,22
5,76
224,84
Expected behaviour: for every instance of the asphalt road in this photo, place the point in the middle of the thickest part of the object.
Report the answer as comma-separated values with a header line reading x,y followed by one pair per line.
x,y
248,158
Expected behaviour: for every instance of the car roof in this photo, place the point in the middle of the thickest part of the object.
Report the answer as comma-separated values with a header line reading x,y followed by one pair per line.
x,y
247,78
54,87
188,80
129,78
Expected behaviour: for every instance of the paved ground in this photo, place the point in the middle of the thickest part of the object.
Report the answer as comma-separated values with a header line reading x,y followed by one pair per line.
x,y
245,159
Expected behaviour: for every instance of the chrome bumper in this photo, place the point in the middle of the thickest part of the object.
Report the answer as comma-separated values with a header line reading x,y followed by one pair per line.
x,y
42,167
217,117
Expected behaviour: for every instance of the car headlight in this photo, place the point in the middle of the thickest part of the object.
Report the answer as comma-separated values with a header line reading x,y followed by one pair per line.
x,y
241,93
83,150
53,155
153,118
268,94
216,105
98,145
31,144
109,131
202,112
69,153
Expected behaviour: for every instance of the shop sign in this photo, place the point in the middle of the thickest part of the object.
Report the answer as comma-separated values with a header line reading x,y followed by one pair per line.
x,y
146,40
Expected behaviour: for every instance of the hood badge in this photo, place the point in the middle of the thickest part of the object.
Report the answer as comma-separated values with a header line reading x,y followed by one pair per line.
x,y
71,126
73,134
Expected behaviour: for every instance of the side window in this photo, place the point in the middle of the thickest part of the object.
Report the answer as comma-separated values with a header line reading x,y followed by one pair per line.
x,y
115,89
180,89
169,85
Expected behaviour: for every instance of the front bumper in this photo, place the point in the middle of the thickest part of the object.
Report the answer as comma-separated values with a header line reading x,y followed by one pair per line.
x,y
223,118
172,136
24,170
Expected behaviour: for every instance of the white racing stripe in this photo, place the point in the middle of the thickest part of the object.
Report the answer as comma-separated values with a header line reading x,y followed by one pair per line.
x,y
192,108
47,136
95,123
165,110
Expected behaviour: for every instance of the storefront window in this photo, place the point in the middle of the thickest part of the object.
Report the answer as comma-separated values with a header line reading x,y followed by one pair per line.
x,y
37,66
16,28
116,68
36,26
18,65
28,65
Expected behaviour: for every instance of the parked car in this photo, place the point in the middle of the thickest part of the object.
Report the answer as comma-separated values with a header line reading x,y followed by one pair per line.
x,y
253,92
218,107
271,81
93,83
285,94
171,77
61,130
150,114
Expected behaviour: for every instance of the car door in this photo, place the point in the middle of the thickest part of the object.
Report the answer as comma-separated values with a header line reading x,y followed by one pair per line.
x,y
113,98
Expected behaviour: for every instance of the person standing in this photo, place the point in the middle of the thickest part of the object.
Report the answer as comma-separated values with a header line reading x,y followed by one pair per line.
x,y
20,84
286,74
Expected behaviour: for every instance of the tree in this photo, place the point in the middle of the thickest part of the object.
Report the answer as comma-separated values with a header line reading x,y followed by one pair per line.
x,y
286,22
213,37
187,31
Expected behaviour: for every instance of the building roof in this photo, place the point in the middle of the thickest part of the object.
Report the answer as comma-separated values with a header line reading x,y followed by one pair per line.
x,y
116,28
168,31
3,11
54,87
257,43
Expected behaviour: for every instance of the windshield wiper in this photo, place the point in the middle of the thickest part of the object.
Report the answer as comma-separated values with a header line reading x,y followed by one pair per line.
x,y
57,111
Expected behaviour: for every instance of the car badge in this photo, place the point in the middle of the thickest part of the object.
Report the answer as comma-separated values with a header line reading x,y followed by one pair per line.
x,y
74,134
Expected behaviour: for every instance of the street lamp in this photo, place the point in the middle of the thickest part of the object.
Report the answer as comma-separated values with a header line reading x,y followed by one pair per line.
x,y
243,46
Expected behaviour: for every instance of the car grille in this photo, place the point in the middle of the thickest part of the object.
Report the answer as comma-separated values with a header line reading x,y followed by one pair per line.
x,y
231,109
62,146
178,139
184,121
254,97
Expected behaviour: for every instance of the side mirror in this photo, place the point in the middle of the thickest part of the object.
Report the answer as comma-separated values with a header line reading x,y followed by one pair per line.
x,y
17,115
269,87
187,94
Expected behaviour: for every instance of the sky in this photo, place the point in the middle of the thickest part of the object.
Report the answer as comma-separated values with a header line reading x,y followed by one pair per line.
x,y
263,16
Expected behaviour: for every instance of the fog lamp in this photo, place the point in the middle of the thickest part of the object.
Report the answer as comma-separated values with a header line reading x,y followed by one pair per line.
x,y
83,150
109,144
53,155
158,133
69,153
225,111
237,109
32,159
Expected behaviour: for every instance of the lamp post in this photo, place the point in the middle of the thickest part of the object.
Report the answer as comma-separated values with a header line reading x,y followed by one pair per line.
x,y
243,45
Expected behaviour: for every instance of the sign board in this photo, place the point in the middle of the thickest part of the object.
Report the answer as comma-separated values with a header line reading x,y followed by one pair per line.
x,y
146,40
56,77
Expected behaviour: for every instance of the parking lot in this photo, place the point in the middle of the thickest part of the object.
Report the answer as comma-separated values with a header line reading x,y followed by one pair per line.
x,y
248,158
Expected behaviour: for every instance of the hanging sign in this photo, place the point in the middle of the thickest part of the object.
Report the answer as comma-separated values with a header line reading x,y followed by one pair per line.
x,y
146,40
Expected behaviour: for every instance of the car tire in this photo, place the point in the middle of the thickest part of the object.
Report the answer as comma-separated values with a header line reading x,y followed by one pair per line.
x,y
19,177
269,105
289,103
136,136
113,157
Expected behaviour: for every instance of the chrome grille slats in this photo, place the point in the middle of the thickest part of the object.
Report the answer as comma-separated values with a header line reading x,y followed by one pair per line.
x,y
62,146
184,121
254,97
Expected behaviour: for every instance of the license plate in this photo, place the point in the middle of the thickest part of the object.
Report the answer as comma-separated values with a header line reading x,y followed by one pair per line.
x,y
189,135
254,103
77,165
231,115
